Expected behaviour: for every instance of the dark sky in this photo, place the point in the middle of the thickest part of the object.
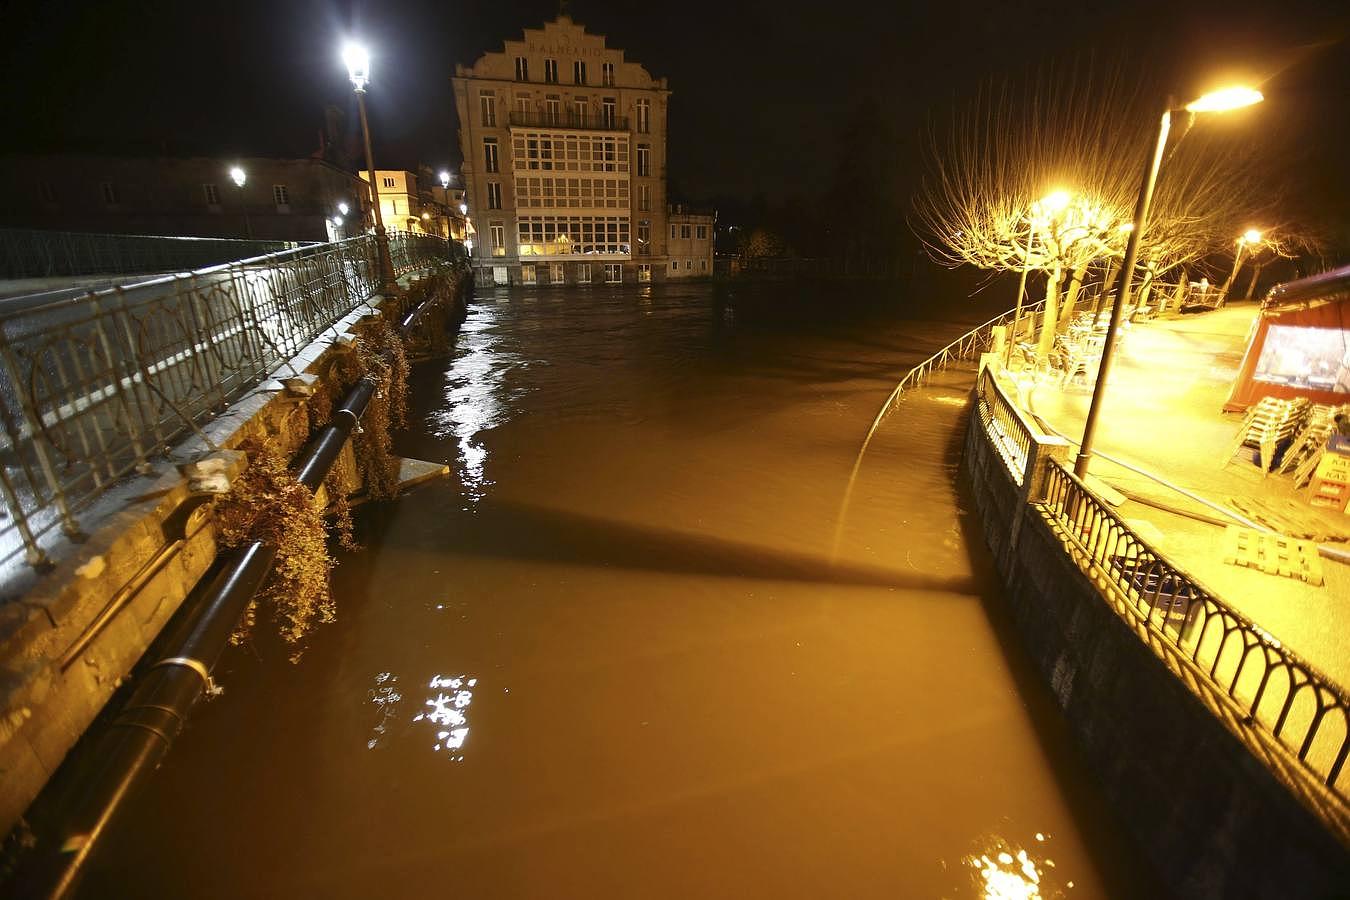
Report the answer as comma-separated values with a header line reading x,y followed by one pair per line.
x,y
761,89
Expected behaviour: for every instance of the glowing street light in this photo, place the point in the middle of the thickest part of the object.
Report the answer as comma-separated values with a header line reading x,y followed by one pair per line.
x,y
1053,203
239,177
1223,100
357,59
445,180
1250,236
343,207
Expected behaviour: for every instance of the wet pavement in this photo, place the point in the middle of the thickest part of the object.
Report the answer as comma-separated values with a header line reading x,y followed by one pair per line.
x,y
611,657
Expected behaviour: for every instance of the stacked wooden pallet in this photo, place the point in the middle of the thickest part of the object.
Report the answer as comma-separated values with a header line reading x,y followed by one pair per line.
x,y
1306,450
1267,424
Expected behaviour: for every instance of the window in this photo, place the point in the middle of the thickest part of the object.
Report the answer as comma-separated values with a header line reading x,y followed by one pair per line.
x,y
488,104
580,110
494,195
577,235
527,274
48,191
609,112
644,160
672,231
702,232
613,273
578,72
522,69
212,194
607,74
523,104
497,231
388,181
644,116
674,265
555,273
490,162
684,232
644,272
644,237
584,273
281,195
553,110
644,197
688,264
703,265
551,71
109,192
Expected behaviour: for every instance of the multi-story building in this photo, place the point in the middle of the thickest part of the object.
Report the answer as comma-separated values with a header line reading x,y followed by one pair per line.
x,y
281,199
564,145
690,246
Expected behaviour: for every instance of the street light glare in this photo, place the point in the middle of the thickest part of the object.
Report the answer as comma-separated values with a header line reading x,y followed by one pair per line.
x,y
357,58
1225,99
343,208
238,176
445,178
1252,236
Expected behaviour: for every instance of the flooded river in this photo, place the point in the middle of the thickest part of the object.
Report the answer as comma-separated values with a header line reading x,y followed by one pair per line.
x,y
610,656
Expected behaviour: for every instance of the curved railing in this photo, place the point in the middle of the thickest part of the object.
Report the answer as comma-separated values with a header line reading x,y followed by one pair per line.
x,y
1290,715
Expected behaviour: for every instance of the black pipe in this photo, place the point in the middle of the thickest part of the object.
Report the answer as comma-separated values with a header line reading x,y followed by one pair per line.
x,y
102,774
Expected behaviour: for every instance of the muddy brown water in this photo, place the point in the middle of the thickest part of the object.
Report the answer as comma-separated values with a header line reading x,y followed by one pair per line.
x,y
610,657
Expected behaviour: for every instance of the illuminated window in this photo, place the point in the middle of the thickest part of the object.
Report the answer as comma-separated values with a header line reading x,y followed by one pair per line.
x,y
490,161
555,273
644,237
578,72
388,181
212,194
494,197
551,71
575,235
109,192
644,116
609,112
613,273
497,232
522,69
281,195
487,103
527,274
607,74
644,272
644,159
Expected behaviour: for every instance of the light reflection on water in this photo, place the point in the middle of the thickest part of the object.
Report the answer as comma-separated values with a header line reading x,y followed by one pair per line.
x,y
1004,871
446,711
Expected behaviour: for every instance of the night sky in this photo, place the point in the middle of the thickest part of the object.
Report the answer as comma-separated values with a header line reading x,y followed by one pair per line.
x,y
761,89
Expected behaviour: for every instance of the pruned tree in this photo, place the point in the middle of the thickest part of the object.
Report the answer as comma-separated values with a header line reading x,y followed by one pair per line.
x,y
1085,130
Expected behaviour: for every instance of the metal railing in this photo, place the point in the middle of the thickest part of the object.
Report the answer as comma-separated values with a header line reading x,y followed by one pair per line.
x,y
93,387
1291,716
1009,434
566,118
28,253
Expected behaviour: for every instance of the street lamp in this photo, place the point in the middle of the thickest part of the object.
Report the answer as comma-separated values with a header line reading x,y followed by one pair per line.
x,y
239,177
445,180
1250,237
343,207
1216,101
357,59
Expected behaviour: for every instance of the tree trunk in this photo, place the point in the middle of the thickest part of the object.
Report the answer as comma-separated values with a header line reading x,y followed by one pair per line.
x,y
1107,284
1141,299
1237,264
1256,273
1049,316
1071,295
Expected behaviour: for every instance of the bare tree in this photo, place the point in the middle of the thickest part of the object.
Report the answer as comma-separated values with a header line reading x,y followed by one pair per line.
x,y
1084,130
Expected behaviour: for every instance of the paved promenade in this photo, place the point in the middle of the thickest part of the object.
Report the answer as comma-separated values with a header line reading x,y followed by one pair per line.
x,y
1162,414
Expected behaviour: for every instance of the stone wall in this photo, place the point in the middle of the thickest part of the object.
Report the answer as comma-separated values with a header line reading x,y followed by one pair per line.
x,y
1211,818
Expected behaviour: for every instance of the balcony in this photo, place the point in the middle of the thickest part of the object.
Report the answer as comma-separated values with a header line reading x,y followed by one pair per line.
x,y
568,119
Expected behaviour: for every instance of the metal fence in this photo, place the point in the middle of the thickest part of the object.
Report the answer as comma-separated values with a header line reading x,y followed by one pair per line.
x,y
1291,716
93,387
28,253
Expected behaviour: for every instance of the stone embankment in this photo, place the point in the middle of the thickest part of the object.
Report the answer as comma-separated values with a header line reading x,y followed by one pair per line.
x,y
69,636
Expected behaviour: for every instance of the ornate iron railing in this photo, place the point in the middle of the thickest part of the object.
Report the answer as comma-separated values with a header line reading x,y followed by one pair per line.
x,y
94,387
566,118
1006,430
1290,715
28,253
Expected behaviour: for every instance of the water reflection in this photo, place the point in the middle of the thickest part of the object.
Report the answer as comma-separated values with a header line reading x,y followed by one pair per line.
x,y
385,696
476,397
447,712
1003,871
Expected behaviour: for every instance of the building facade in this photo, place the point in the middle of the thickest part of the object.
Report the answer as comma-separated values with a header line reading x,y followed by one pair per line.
x,y
564,146
689,247
420,204
281,199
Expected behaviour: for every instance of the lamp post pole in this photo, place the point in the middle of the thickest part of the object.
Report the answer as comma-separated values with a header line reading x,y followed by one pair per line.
x,y
358,69
239,176
1080,465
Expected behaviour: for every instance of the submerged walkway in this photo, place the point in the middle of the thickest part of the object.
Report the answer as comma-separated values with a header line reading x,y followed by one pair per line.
x,y
1162,413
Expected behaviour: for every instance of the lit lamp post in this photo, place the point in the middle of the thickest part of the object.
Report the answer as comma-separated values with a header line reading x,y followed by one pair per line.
x,y
1217,101
239,177
1250,236
357,59
1053,203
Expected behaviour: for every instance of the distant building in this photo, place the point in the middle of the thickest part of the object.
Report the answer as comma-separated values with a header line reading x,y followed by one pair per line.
x,y
282,199
690,244
564,146
420,204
